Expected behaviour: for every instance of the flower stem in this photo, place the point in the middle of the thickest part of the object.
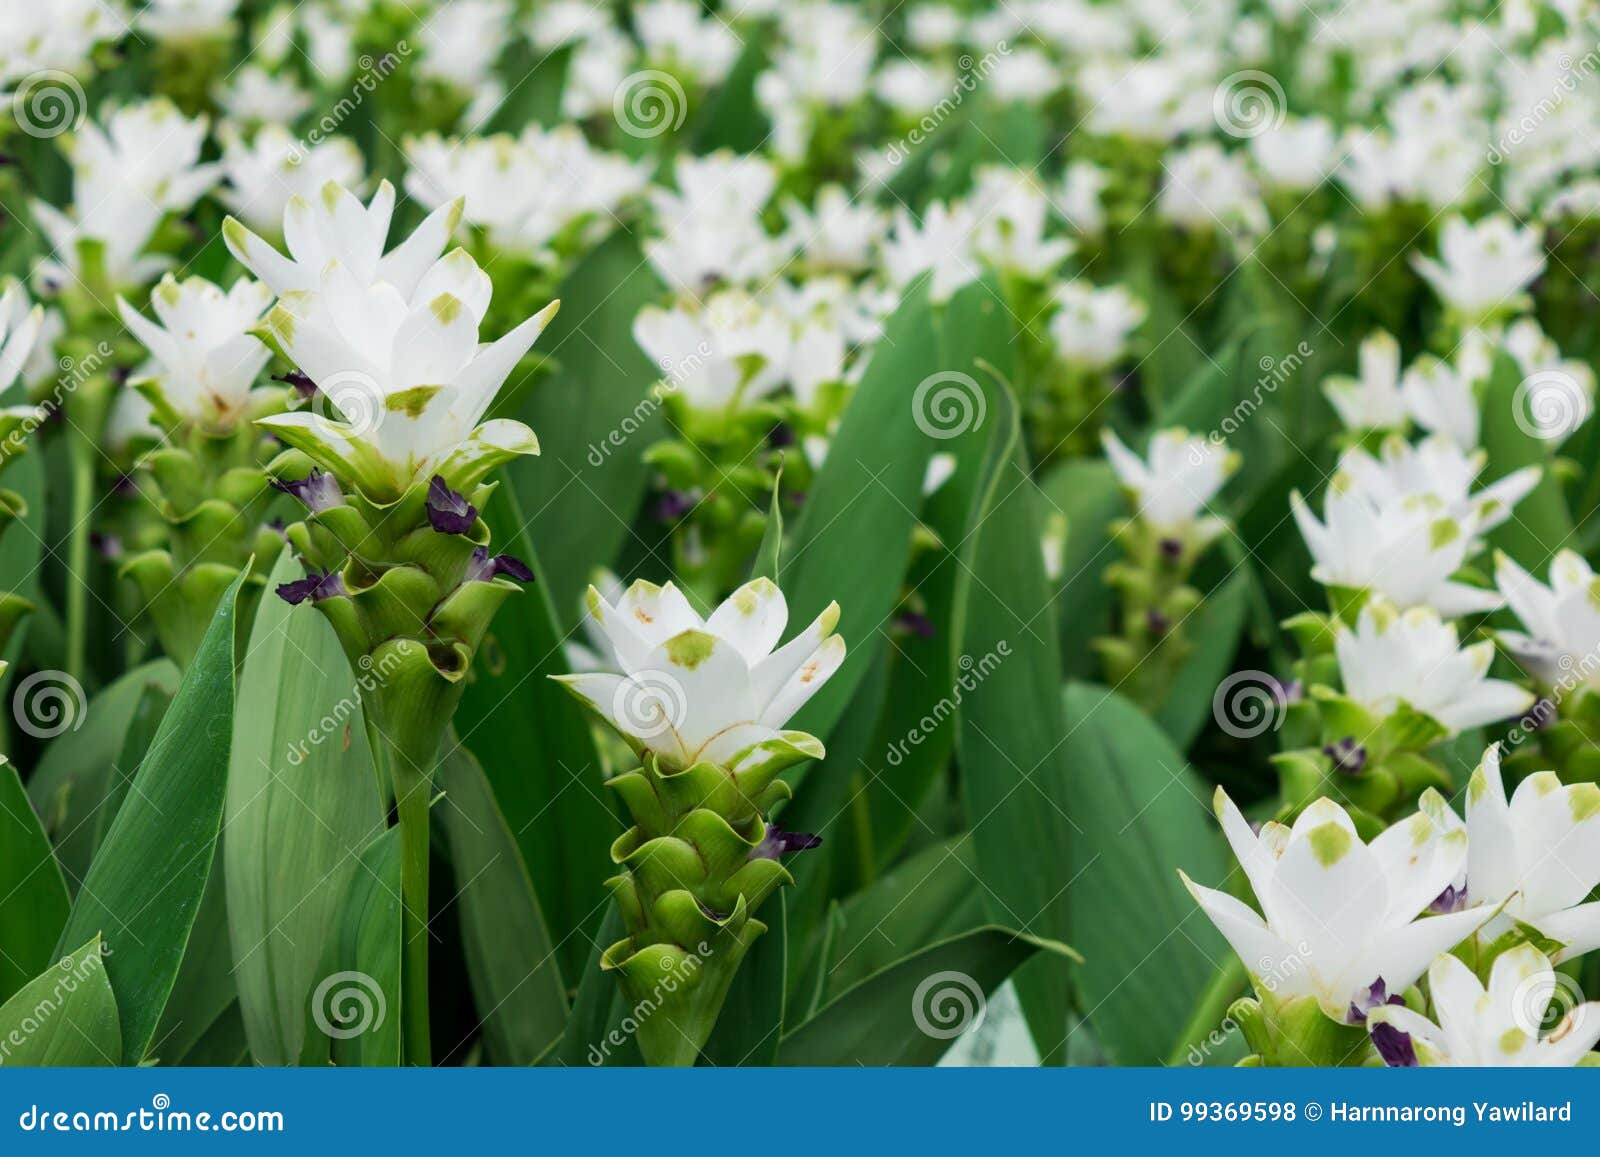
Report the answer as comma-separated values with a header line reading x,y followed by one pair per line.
x,y
411,790
1210,1010
78,546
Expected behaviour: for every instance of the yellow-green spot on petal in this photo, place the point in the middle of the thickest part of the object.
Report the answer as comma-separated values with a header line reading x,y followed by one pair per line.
x,y
1544,782
330,194
747,599
1513,1040
829,619
1477,785
282,323
411,402
1585,801
168,291
691,648
1421,829
446,307
1329,843
1594,593
591,599
1443,532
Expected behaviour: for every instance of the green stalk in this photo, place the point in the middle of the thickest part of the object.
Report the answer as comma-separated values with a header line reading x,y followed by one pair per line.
x,y
411,790
82,476
1210,1010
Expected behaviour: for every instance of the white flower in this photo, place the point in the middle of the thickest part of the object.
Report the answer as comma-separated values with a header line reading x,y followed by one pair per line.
x,y
1372,401
713,690
1081,189
838,233
1152,98
942,243
264,172
1012,208
732,351
1442,400
526,192
911,87
1295,155
712,223
1404,551
1209,189
175,20
1171,489
125,177
392,341
1559,644
1090,326
1340,915
20,325
826,56
1414,658
461,40
595,71
203,358
682,37
255,95
1483,268
1498,1026
1535,858
568,21
59,36
930,27
1439,469
1026,75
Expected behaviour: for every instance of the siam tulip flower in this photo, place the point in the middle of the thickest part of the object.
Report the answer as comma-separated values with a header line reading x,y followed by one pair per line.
x,y
711,224
1436,469
255,96
1484,268
1404,551
1296,155
1173,486
1157,97
1207,189
57,37
1082,186
930,27
681,37
1442,400
1412,659
910,88
1091,327
1025,75
20,326
203,358
732,352
264,172
1012,209
1560,637
1560,391
173,21
1337,916
1533,860
826,57
392,340
567,22
126,176
941,243
1498,1025
703,702
713,690
461,41
598,67
1372,401
836,233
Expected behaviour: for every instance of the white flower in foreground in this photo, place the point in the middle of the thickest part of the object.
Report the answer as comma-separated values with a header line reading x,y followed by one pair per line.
x,y
1559,644
264,172
125,177
1373,400
203,357
733,350
1490,1027
391,339
1414,658
1404,551
1090,326
1437,468
941,242
1483,268
1340,916
1442,400
1535,858
709,690
1171,489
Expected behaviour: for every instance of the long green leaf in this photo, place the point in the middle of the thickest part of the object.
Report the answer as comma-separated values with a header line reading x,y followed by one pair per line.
x,y
33,896
145,885
302,804
65,1017
1541,524
511,962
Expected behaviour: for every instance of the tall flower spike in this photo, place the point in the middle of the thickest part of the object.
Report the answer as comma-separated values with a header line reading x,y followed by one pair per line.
x,y
1337,915
391,339
703,702
1497,1025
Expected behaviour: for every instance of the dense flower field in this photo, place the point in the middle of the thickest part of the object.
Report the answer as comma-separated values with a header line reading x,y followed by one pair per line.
x,y
582,533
